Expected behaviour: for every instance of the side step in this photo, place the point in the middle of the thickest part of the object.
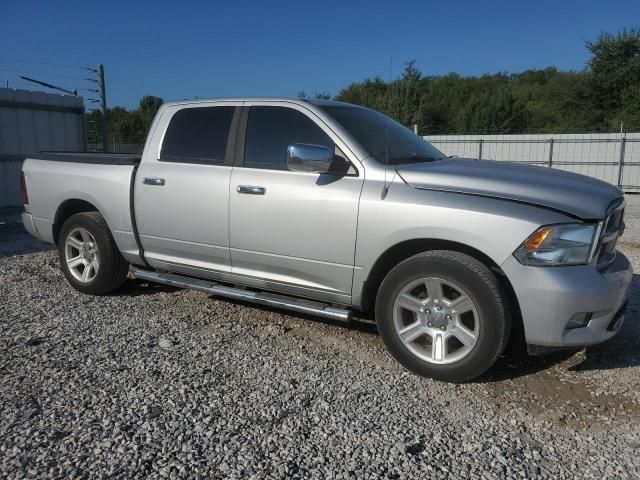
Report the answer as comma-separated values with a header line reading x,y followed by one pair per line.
x,y
270,299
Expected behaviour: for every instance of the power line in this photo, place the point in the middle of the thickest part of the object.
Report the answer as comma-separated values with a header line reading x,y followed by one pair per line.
x,y
51,86
99,81
14,83
61,65
26,72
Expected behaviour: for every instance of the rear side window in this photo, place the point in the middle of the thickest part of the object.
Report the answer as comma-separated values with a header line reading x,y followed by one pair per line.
x,y
197,135
270,130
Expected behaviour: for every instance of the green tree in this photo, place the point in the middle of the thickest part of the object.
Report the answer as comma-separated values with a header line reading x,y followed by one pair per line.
x,y
147,110
372,93
628,116
492,112
411,73
615,69
124,126
405,95
555,101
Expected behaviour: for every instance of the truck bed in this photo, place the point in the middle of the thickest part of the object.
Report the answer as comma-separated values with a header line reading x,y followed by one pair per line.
x,y
89,157
100,181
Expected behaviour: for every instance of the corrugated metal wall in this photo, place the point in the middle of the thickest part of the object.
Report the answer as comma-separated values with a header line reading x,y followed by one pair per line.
x,y
612,157
31,122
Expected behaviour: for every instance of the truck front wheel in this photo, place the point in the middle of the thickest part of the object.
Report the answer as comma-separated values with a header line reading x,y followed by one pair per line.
x,y
441,314
89,256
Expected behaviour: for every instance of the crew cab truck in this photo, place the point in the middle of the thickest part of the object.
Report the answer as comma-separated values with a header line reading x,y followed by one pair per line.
x,y
328,208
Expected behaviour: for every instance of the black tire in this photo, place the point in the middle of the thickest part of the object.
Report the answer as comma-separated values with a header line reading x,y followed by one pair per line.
x,y
482,288
113,269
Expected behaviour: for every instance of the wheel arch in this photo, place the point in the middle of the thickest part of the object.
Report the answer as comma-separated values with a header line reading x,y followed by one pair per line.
x,y
408,248
66,210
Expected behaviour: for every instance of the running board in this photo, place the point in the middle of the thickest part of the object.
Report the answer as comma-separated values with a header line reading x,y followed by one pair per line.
x,y
263,298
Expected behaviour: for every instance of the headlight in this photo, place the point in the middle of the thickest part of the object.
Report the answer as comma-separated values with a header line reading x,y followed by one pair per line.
x,y
568,244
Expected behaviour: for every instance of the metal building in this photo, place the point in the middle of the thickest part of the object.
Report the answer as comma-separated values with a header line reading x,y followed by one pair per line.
x,y
33,122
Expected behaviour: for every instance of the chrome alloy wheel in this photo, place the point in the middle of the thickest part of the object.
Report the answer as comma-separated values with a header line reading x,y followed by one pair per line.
x,y
436,320
81,254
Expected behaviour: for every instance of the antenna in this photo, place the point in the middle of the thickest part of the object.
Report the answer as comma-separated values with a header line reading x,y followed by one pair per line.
x,y
385,189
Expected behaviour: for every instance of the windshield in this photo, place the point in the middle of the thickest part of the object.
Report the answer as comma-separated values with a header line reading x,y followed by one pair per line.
x,y
369,127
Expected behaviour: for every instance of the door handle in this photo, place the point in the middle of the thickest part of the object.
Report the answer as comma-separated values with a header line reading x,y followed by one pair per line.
x,y
251,190
157,182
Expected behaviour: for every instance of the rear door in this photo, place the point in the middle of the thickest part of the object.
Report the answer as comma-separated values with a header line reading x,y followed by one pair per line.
x,y
182,189
295,230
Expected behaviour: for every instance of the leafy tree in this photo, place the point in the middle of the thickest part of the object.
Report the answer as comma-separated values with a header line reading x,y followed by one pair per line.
x,y
597,98
124,126
492,112
614,69
372,93
148,108
628,115
405,95
411,73
318,95
554,101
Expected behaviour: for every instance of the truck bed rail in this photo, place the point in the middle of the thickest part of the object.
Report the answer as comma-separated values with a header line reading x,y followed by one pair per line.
x,y
89,157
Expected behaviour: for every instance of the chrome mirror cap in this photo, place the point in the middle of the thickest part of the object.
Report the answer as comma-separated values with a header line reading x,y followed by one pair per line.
x,y
303,157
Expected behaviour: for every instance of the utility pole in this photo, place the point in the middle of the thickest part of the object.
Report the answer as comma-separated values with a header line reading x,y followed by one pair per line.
x,y
103,107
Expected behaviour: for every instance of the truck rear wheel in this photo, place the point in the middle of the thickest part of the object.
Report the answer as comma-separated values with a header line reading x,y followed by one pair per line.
x,y
441,314
89,256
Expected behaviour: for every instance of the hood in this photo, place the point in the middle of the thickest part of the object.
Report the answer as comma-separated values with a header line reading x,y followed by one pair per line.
x,y
577,195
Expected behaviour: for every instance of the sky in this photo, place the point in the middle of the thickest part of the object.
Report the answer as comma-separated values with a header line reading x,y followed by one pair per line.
x,y
187,49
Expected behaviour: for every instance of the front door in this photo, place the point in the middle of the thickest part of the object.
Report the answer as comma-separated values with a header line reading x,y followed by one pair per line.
x,y
294,230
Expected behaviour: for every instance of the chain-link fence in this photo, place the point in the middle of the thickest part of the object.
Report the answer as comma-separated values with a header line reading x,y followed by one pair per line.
x,y
614,158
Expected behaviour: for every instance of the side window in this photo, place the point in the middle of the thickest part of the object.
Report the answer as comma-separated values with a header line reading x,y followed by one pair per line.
x,y
197,135
270,130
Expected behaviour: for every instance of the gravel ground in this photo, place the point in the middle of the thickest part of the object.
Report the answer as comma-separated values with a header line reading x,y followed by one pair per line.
x,y
632,219
169,383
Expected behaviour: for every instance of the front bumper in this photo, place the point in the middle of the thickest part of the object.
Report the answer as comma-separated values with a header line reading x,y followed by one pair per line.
x,y
550,296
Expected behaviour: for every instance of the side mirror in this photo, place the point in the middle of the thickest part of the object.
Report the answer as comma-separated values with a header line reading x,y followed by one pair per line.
x,y
302,157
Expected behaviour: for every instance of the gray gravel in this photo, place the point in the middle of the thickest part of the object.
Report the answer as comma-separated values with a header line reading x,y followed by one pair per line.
x,y
632,219
170,383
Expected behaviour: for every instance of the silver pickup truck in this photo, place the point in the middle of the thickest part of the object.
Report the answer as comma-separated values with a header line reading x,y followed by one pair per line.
x,y
331,209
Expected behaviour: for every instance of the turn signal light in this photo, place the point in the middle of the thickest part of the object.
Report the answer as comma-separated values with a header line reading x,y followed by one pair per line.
x,y
535,240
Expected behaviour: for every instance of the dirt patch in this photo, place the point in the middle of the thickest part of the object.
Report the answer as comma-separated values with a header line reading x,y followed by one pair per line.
x,y
365,348
561,398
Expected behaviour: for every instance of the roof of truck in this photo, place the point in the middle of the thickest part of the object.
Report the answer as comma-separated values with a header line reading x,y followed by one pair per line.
x,y
313,101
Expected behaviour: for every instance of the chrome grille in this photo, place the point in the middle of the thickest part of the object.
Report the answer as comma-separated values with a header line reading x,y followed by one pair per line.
x,y
612,228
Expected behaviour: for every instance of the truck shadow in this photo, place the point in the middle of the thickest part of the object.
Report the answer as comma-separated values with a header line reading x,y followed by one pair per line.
x,y
15,241
135,288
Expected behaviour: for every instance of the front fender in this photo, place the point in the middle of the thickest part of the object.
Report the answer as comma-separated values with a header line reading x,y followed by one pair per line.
x,y
492,226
